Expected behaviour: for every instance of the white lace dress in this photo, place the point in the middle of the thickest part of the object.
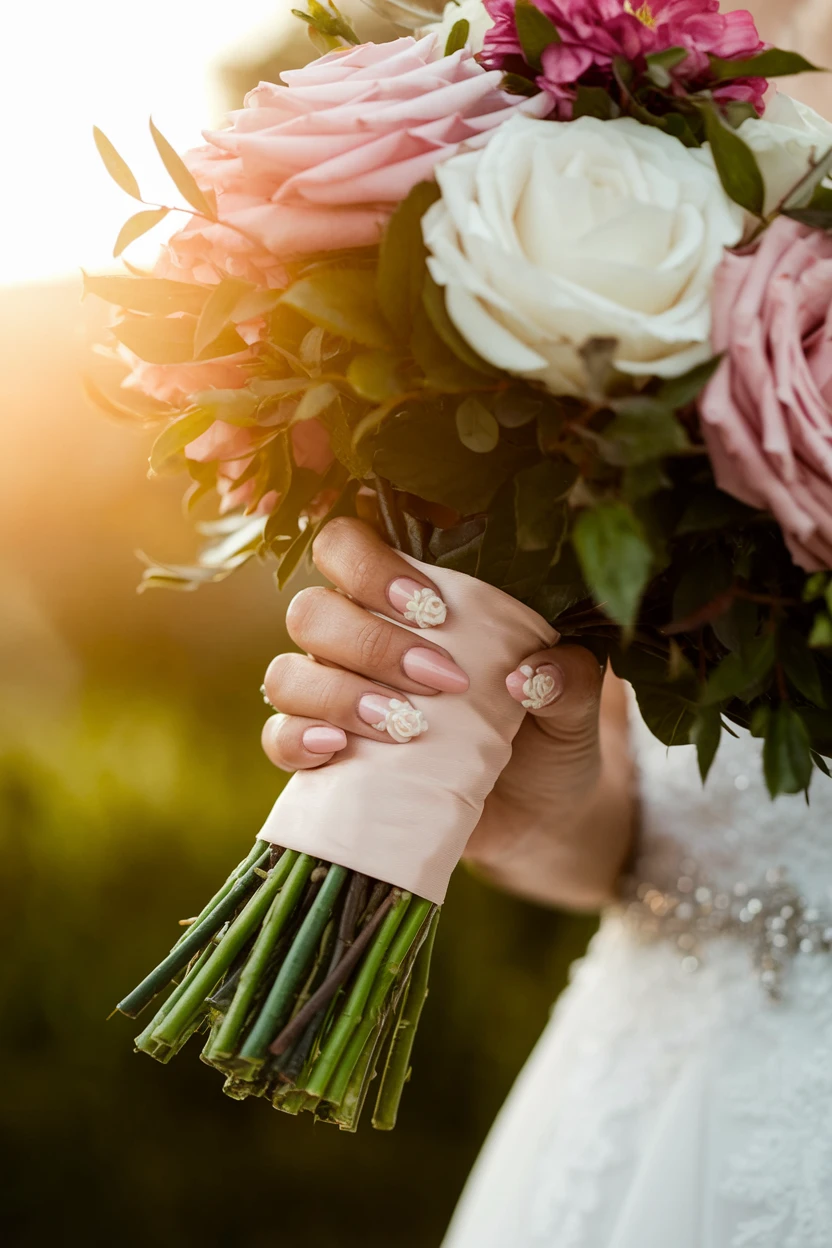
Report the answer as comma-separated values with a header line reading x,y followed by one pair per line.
x,y
681,1096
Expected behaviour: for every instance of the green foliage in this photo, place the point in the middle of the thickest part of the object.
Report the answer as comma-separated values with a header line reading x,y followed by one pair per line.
x,y
115,165
458,36
616,558
787,758
342,301
477,426
773,63
706,734
534,30
735,162
181,176
217,312
137,225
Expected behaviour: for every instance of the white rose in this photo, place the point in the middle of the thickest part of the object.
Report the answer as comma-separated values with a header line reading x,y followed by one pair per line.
x,y
471,11
786,142
402,721
555,233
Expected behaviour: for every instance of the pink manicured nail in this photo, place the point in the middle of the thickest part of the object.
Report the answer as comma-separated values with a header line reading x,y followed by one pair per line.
x,y
435,670
324,740
535,688
395,716
417,603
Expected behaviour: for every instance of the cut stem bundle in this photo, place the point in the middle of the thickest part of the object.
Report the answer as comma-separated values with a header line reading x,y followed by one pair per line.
x,y
308,978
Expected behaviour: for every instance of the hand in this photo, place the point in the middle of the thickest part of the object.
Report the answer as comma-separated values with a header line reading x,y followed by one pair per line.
x,y
362,668
558,824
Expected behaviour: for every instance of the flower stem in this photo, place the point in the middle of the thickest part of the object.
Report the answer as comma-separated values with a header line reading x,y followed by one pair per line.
x,y
279,915
350,1016
373,1015
226,951
197,935
397,1068
254,859
279,1001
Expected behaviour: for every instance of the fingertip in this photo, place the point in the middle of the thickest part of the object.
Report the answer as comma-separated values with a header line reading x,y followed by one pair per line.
x,y
536,686
322,739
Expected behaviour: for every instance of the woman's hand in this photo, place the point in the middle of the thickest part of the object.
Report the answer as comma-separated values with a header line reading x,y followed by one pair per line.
x,y
558,825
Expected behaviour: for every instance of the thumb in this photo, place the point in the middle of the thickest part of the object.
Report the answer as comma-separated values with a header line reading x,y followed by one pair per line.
x,y
561,688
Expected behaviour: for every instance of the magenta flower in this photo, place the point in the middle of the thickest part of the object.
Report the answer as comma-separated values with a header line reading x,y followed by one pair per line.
x,y
594,32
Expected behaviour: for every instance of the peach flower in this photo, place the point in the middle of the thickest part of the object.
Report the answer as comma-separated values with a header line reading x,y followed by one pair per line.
x,y
319,163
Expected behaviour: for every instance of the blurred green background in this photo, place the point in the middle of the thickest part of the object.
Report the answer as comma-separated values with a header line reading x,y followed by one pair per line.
x,y
131,780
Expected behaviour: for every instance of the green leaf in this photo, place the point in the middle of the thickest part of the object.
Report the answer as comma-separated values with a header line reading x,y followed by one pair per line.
x,y
710,510
115,165
810,197
741,673
374,376
170,340
476,426
181,175
401,261
820,637
669,715
217,312
407,453
173,440
644,480
315,401
773,63
145,412
679,392
616,558
137,225
594,102
660,64
736,164
458,37
538,503
535,32
157,295
642,431
706,734
815,586
343,301
787,757
442,369
801,666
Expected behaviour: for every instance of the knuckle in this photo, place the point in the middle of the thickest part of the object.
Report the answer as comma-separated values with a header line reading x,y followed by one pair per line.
x,y
328,695
373,646
364,574
303,610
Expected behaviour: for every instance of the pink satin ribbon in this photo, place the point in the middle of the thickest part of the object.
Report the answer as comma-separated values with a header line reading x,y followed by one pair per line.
x,y
404,813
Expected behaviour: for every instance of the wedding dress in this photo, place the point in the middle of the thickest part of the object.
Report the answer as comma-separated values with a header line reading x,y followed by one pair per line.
x,y
681,1096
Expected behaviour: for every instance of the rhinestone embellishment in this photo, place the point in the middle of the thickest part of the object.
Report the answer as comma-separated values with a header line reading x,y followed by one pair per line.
x,y
772,918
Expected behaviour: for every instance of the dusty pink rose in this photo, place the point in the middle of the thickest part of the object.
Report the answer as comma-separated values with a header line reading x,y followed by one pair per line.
x,y
767,414
594,32
320,163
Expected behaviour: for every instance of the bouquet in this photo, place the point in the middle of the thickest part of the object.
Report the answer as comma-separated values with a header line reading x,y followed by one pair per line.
x,y
544,292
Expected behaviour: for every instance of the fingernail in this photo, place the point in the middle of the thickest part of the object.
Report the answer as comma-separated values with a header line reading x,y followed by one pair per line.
x,y
417,603
535,688
435,670
324,740
394,716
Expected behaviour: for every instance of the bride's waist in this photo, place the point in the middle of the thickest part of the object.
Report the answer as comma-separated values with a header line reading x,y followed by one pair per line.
x,y
670,899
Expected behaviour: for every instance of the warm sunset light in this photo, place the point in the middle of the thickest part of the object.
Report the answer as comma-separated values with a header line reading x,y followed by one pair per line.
x,y
67,67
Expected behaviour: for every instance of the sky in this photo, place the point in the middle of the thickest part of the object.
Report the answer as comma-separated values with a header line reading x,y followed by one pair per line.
x,y
66,65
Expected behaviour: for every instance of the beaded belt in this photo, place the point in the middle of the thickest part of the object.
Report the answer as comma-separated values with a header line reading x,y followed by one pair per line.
x,y
772,918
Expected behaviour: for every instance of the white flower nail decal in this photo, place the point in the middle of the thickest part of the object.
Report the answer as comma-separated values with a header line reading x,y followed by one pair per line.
x,y
425,609
402,721
539,688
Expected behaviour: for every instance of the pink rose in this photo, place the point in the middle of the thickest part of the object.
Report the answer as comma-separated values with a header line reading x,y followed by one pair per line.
x,y
767,414
594,32
232,448
320,163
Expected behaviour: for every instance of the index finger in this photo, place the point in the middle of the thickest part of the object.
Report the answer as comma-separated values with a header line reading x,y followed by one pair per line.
x,y
357,561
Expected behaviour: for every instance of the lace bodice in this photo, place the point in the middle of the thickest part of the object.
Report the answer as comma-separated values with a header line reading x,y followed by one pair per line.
x,y
730,828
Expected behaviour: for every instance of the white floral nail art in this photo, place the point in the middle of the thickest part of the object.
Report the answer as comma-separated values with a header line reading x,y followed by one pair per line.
x,y
402,721
425,609
539,688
